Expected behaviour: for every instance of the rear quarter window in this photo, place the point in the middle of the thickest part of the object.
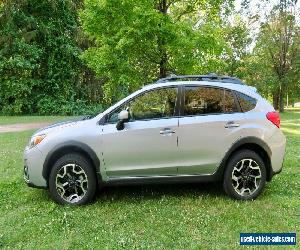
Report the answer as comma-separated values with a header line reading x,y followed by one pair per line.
x,y
246,102
230,105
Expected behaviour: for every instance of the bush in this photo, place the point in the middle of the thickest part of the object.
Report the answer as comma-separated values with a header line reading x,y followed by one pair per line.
x,y
50,106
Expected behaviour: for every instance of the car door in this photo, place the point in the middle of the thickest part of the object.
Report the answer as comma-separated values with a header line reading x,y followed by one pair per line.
x,y
210,124
147,146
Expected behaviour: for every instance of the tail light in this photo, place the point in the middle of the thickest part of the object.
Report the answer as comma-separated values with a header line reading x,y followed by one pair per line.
x,y
274,118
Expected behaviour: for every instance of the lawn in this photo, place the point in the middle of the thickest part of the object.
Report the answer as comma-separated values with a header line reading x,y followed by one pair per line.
x,y
153,217
29,119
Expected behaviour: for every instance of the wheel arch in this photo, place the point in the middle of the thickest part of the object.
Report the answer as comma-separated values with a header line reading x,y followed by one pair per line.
x,y
70,147
251,143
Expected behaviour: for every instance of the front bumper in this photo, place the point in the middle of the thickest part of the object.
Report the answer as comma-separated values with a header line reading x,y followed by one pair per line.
x,y
33,167
27,181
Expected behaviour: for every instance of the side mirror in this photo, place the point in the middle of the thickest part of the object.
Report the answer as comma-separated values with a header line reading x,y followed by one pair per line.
x,y
123,117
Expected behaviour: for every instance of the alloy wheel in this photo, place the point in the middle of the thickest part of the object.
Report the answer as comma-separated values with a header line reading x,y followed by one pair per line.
x,y
246,177
71,183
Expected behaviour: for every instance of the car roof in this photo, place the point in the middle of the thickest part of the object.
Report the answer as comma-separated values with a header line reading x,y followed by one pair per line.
x,y
227,85
208,77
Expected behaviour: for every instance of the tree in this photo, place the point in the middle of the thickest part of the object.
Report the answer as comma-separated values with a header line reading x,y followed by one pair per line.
x,y
40,68
238,41
277,48
139,41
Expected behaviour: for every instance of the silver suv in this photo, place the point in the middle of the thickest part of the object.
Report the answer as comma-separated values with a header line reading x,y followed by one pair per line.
x,y
179,129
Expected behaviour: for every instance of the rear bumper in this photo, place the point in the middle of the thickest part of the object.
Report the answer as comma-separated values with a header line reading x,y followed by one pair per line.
x,y
278,146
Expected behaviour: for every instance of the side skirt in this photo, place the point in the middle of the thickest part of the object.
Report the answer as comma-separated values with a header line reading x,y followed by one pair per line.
x,y
162,179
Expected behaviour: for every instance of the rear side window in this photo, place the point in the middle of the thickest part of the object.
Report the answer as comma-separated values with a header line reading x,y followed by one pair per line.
x,y
208,100
247,103
203,100
230,105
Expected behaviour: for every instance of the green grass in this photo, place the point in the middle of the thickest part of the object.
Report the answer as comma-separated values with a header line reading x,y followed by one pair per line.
x,y
154,217
29,119
293,109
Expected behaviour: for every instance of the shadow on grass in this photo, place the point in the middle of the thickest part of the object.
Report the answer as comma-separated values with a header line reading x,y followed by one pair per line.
x,y
139,193
157,191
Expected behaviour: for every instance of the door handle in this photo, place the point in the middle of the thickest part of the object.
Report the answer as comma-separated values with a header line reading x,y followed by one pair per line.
x,y
167,131
231,124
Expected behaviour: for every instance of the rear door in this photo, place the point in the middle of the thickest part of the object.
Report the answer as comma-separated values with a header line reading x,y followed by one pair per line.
x,y
209,125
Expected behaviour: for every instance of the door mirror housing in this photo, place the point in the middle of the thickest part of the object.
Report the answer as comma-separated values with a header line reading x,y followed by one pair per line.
x,y
123,117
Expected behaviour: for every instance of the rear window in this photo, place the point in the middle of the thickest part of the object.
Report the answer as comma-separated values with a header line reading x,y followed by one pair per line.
x,y
247,103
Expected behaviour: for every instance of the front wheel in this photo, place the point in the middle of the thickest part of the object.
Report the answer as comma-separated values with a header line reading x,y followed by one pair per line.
x,y
72,180
245,175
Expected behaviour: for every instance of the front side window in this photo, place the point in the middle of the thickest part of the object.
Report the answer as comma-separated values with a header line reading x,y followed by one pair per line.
x,y
113,116
203,100
155,104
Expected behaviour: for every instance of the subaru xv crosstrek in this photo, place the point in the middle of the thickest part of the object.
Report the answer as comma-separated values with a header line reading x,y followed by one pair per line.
x,y
179,129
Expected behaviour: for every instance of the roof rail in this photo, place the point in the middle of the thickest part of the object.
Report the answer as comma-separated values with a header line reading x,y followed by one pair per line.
x,y
209,77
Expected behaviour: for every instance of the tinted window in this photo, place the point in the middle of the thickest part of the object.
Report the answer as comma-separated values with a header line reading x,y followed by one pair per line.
x,y
203,100
113,116
154,104
230,105
246,102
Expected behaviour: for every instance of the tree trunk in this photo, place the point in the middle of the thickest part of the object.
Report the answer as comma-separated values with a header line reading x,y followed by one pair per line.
x,y
276,99
281,101
163,63
162,7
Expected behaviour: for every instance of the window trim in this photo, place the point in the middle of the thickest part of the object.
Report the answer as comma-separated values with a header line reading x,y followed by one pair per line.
x,y
177,103
239,110
238,102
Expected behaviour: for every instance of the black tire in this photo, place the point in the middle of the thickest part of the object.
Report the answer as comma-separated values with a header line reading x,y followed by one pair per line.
x,y
87,173
230,181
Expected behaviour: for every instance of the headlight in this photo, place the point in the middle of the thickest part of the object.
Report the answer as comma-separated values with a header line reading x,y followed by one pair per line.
x,y
35,140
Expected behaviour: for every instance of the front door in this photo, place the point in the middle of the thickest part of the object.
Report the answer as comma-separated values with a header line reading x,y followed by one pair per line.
x,y
147,146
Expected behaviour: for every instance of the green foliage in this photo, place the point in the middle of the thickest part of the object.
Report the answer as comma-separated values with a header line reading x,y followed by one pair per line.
x,y
238,40
274,62
39,57
78,56
52,106
138,41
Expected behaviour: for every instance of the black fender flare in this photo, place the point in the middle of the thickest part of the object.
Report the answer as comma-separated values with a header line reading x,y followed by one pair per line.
x,y
69,146
239,143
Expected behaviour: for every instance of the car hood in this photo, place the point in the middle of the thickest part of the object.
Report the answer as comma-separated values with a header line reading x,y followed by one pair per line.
x,y
60,125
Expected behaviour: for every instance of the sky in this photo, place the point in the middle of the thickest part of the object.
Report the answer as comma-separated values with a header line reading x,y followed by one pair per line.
x,y
262,8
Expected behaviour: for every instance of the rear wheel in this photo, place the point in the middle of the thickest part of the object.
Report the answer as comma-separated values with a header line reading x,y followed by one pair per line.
x,y
245,175
72,180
